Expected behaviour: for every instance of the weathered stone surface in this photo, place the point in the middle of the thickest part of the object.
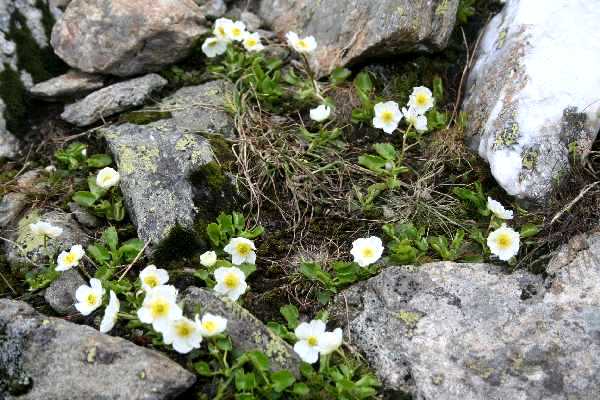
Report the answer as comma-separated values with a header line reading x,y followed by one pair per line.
x,y
212,8
156,160
83,216
49,358
112,100
471,331
531,97
349,31
126,37
246,331
9,145
73,83
11,206
60,295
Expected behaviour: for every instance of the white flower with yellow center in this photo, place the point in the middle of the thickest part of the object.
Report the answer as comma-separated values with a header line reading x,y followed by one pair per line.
x,y
69,259
107,178
220,30
236,31
211,325
320,113
421,99
301,45
367,251
330,341
418,121
309,340
252,42
89,298
241,250
42,228
208,259
504,242
498,209
183,334
110,313
213,47
152,277
231,282
387,116
160,307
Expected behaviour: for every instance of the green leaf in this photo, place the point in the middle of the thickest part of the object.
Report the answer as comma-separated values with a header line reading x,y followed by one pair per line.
x,y
99,161
85,199
313,271
339,75
98,253
130,249
253,233
111,238
282,380
363,82
224,344
372,162
385,150
529,230
247,269
291,315
259,360
94,188
244,381
118,210
301,389
438,89
202,368
214,234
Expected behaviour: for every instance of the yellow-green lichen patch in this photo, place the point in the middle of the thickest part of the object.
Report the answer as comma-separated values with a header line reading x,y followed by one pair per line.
x,y
26,240
273,347
507,136
530,158
139,158
442,8
409,318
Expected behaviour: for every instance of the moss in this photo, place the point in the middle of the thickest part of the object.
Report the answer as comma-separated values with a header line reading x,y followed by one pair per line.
x,y
212,175
222,150
12,92
145,117
181,242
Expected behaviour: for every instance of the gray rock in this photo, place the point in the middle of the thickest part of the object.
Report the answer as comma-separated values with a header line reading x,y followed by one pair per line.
x,y
112,100
212,8
471,331
350,31
83,216
253,22
72,84
246,331
49,358
526,121
60,4
10,207
60,295
126,37
9,144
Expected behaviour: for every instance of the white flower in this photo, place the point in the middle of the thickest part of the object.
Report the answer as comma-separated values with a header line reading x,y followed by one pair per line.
x,y
42,228
235,31
498,209
107,178
220,30
211,325
418,121
504,242
421,99
50,169
84,152
160,307
330,341
366,251
305,45
69,259
320,113
387,116
110,313
208,259
89,297
241,250
252,42
309,338
213,47
183,334
152,277
230,282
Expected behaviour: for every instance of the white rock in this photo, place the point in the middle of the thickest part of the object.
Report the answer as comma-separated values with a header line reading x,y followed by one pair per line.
x,y
534,92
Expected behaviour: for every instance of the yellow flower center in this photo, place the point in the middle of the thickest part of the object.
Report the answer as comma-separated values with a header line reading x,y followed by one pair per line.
x,y
231,281
504,241
159,308
236,32
221,30
243,249
251,42
387,117
105,178
212,44
151,281
183,329
421,99
91,299
368,252
312,341
70,258
302,44
209,326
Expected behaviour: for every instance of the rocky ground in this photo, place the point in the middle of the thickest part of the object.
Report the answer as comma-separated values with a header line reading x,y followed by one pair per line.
x,y
144,135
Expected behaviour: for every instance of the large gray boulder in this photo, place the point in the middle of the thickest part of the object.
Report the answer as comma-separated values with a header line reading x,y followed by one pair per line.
x,y
112,100
472,331
246,331
71,84
126,37
45,358
349,31
532,95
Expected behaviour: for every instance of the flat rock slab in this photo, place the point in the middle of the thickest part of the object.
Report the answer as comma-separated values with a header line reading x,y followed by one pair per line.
x,y
350,31
246,331
60,295
48,358
73,83
112,100
471,332
126,37
532,95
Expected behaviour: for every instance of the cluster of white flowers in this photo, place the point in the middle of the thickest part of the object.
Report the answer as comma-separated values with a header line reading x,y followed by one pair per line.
x,y
227,31
503,242
313,340
42,228
388,114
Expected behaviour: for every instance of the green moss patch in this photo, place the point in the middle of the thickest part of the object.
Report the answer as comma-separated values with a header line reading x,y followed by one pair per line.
x,y
145,117
180,243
